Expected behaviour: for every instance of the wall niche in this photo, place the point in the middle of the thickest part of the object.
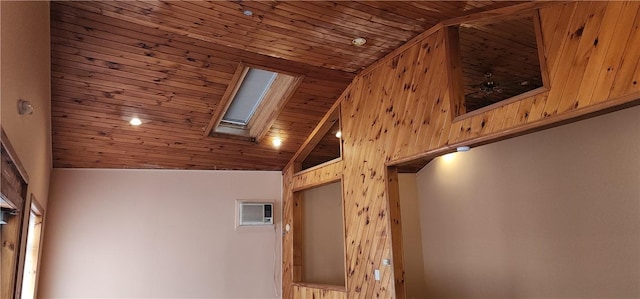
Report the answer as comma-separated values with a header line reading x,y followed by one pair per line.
x,y
320,236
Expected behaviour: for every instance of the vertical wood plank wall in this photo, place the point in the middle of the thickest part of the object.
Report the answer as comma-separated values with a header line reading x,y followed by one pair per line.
x,y
401,110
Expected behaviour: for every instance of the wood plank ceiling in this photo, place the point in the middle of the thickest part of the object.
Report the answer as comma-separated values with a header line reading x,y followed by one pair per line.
x,y
169,63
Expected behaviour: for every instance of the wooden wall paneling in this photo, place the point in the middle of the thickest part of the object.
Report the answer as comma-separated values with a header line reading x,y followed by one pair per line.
x,y
560,74
537,108
354,206
433,69
602,43
324,292
542,57
367,219
554,37
317,176
627,20
627,77
440,95
589,40
366,112
454,64
395,103
290,258
548,26
423,73
510,116
439,139
395,227
296,231
524,109
496,120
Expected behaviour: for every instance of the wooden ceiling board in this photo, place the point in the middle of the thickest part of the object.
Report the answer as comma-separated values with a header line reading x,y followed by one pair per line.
x,y
170,62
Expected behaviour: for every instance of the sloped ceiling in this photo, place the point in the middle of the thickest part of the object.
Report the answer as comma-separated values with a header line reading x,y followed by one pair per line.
x,y
169,63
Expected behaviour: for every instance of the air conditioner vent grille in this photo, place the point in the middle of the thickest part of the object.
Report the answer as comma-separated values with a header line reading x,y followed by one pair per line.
x,y
255,213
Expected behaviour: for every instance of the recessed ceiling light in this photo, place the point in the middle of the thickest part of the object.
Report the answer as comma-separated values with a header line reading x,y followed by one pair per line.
x,y
277,142
358,41
135,121
463,148
339,134
247,13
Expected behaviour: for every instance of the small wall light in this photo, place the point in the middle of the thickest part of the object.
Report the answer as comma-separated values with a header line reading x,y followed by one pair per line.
x,y
339,134
24,107
463,148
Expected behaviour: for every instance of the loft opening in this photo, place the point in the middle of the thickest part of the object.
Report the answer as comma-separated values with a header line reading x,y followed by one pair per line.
x,y
252,102
324,146
495,61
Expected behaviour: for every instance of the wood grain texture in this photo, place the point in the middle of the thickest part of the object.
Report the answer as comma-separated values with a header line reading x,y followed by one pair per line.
x,y
310,291
398,112
106,70
171,62
317,176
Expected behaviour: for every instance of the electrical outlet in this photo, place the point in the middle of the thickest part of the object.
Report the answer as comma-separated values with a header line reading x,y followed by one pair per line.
x,y
376,274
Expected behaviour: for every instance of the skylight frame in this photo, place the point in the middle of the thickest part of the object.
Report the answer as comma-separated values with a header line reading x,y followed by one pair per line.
x,y
281,90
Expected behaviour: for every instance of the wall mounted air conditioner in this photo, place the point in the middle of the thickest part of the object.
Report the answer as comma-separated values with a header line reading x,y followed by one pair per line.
x,y
254,213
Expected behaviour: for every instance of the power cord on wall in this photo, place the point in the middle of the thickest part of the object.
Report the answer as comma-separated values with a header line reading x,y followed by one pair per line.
x,y
275,259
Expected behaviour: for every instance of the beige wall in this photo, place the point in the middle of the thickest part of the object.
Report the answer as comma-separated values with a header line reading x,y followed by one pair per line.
x,y
25,74
323,235
411,236
158,234
554,214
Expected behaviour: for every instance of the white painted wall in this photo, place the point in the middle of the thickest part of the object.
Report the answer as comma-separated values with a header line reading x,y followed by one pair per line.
x,y
158,234
554,214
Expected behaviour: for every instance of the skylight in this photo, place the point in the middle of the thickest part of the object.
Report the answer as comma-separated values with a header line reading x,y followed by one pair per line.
x,y
252,102
254,87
